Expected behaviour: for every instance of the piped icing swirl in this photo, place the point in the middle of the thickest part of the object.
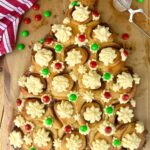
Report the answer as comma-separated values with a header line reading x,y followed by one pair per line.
x,y
91,80
92,114
100,145
33,84
60,83
80,13
37,46
139,127
19,121
43,57
131,141
65,109
125,114
107,56
102,33
15,139
124,80
88,96
27,139
62,32
41,137
35,109
73,57
57,143
74,142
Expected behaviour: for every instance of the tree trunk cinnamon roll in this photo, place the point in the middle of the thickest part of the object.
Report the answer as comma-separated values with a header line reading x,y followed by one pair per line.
x,y
32,84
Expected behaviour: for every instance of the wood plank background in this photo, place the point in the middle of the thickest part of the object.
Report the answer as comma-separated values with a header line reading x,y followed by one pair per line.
x,y
16,63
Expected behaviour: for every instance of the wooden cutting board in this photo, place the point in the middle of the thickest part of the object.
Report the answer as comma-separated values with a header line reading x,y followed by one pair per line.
x,y
16,63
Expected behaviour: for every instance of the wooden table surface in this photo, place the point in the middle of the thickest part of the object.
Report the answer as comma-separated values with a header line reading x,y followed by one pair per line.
x,y
118,22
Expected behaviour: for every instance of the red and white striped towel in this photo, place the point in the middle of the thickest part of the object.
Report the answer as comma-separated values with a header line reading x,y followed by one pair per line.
x,y
11,12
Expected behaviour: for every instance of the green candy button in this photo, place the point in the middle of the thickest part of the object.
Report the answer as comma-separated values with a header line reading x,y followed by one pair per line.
x,y
45,71
74,3
25,33
32,148
83,128
47,13
140,1
48,121
116,142
58,48
20,46
42,40
109,110
72,97
95,47
107,76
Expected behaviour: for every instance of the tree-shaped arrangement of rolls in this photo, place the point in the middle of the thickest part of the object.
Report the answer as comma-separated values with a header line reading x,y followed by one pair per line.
x,y
78,93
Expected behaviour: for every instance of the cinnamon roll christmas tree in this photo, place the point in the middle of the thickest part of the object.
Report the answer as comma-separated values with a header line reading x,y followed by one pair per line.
x,y
78,93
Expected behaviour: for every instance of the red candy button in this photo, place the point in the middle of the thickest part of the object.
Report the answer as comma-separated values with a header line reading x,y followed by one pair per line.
x,y
58,65
67,129
125,36
108,129
126,53
81,38
93,64
107,95
125,97
36,7
27,20
19,102
48,40
45,99
38,17
95,13
28,127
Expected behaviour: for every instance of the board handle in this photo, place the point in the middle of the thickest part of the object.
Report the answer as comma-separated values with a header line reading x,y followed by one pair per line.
x,y
90,3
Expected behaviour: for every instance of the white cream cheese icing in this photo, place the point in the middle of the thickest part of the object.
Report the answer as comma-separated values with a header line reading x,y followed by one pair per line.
x,y
92,114
41,137
15,139
57,143
79,43
77,117
63,33
80,13
88,96
37,46
91,80
19,121
73,76
100,145
131,141
43,57
34,85
139,127
60,83
82,69
57,70
27,139
102,33
82,28
123,56
133,103
136,78
95,17
66,20
65,109
125,114
107,56
105,124
73,57
125,80
22,81
35,109
73,142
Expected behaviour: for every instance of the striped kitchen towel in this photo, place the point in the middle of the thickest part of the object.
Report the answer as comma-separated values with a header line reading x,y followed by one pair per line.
x,y
11,12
